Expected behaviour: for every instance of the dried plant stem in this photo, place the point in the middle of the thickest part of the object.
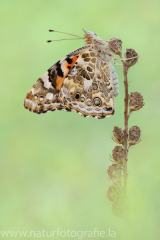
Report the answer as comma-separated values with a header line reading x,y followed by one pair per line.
x,y
126,100
117,172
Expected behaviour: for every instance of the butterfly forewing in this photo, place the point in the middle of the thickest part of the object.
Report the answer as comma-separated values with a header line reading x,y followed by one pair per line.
x,y
44,95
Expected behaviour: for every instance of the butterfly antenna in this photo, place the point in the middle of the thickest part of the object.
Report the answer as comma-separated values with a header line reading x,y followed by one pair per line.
x,y
63,39
62,32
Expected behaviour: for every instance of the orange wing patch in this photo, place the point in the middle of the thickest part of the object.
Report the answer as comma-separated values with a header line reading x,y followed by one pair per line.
x,y
67,66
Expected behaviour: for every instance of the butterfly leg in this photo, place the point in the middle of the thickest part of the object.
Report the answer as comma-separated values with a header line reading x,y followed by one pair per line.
x,y
124,59
117,63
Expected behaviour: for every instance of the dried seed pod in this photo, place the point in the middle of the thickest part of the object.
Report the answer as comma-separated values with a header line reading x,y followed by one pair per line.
x,y
118,154
114,192
118,135
136,101
118,208
115,45
111,193
134,135
115,172
130,53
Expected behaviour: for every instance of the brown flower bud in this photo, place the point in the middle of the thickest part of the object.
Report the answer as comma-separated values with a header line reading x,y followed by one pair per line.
x,y
111,193
118,135
115,172
118,154
130,53
118,208
136,101
114,192
134,135
115,45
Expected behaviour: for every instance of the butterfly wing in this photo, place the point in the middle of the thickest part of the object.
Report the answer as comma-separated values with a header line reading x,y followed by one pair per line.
x,y
45,93
79,82
90,86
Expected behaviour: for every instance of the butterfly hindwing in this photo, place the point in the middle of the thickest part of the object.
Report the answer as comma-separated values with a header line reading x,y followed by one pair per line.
x,y
89,88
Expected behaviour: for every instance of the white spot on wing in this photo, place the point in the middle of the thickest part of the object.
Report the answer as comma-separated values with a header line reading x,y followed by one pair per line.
x,y
49,96
47,84
45,79
32,90
87,84
34,105
64,90
29,103
63,68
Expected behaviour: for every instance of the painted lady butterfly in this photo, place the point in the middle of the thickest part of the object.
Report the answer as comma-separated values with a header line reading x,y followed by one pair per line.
x,y
84,81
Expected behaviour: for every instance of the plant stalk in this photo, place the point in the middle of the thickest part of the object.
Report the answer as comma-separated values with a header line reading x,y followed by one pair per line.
x,y
126,100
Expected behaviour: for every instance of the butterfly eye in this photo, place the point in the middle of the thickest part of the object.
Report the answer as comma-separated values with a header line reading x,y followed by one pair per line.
x,y
77,95
97,102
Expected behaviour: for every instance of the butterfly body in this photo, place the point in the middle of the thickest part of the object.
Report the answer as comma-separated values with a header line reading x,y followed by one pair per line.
x,y
84,81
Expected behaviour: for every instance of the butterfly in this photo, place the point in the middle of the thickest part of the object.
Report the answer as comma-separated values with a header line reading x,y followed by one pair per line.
x,y
84,81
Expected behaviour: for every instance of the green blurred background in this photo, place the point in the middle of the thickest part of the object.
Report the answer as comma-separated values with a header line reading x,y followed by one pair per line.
x,y
53,166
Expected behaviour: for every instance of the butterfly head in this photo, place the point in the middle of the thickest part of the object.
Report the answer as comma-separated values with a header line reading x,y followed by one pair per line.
x,y
99,44
91,37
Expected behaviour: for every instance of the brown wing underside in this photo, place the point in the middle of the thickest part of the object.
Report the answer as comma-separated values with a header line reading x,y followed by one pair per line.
x,y
79,82
88,89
